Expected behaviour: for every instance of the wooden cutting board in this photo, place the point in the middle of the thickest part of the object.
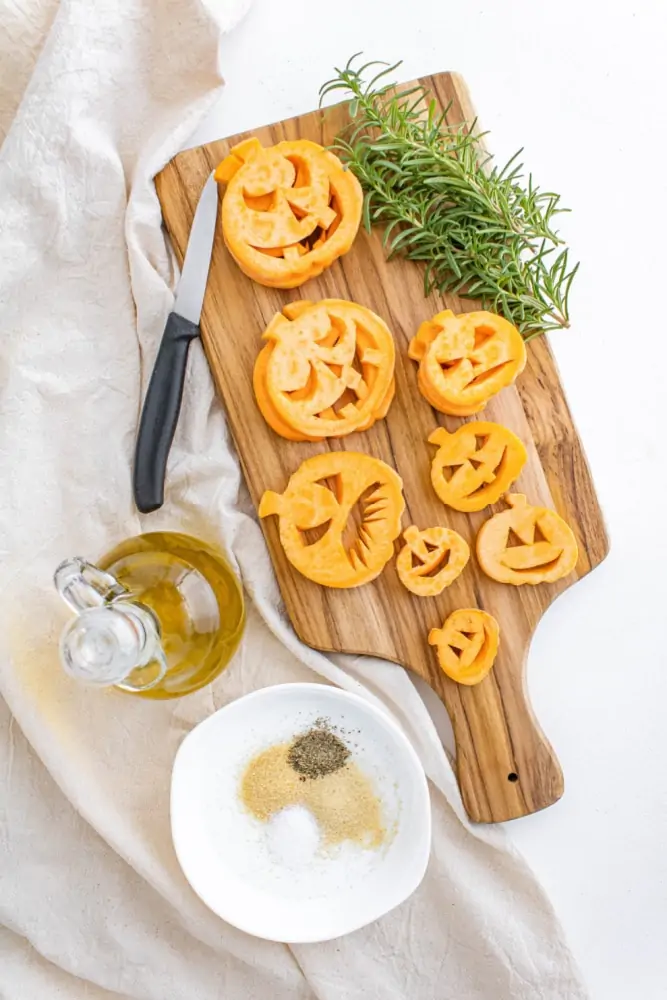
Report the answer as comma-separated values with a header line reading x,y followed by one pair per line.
x,y
506,767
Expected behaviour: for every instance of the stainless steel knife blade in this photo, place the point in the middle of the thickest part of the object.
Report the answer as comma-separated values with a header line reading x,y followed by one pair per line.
x,y
194,274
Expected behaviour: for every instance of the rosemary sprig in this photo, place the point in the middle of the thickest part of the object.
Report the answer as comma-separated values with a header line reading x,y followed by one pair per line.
x,y
480,230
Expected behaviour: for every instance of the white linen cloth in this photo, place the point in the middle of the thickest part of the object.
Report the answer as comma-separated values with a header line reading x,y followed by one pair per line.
x,y
94,99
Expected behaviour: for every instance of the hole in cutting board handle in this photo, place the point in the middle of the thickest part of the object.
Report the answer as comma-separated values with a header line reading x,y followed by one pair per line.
x,y
512,776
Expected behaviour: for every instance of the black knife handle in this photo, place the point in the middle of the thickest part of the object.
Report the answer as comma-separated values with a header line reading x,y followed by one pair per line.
x,y
159,415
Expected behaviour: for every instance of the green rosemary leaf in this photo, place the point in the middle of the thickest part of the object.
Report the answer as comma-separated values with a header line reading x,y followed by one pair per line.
x,y
366,214
479,229
386,237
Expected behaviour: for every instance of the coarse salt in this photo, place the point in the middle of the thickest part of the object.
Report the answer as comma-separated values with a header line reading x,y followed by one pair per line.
x,y
293,836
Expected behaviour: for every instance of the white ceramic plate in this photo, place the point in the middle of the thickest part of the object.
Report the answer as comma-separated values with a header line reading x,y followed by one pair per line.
x,y
283,889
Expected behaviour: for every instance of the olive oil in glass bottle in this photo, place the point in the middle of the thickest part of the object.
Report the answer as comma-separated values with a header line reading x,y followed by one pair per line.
x,y
160,616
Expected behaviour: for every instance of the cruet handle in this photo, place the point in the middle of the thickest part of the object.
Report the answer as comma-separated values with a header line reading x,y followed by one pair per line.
x,y
82,585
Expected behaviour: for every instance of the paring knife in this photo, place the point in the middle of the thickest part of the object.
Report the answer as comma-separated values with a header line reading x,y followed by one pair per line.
x,y
162,404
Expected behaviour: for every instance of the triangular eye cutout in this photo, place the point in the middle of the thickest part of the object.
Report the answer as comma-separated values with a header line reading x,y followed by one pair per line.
x,y
482,335
449,470
312,535
475,464
297,212
469,635
513,540
539,534
333,483
441,563
261,203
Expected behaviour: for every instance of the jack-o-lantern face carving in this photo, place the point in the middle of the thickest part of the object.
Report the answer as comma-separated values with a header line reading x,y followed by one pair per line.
x,y
317,515
474,466
465,360
431,559
289,211
327,370
526,544
467,645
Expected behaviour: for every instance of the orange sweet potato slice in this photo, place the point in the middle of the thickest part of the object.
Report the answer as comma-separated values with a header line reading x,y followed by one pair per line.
x,y
431,559
526,544
465,360
322,494
476,464
288,211
467,645
329,370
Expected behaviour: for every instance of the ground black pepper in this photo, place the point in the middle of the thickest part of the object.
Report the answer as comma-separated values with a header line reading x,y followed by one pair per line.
x,y
317,752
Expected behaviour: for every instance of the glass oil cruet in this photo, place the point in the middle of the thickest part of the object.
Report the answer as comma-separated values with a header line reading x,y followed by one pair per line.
x,y
160,616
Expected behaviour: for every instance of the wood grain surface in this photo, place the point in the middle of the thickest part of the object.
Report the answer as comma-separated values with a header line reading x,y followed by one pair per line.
x,y
506,767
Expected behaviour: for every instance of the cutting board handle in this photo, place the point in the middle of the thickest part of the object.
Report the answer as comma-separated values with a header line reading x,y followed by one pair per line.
x,y
505,765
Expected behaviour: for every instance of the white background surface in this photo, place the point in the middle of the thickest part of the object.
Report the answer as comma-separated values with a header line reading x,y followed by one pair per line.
x,y
582,87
